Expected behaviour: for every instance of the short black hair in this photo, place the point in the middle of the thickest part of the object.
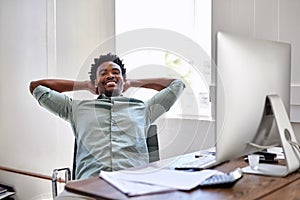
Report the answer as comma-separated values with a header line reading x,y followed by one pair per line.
x,y
106,58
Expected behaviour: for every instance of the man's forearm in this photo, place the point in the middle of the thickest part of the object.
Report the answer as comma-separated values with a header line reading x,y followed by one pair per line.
x,y
151,83
60,85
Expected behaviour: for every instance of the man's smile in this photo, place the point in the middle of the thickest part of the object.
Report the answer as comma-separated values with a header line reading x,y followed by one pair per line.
x,y
110,83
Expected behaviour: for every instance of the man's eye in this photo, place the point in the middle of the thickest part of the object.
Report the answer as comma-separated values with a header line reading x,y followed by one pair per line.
x,y
102,73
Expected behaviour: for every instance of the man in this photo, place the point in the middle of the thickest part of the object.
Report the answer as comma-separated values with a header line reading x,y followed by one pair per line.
x,y
111,130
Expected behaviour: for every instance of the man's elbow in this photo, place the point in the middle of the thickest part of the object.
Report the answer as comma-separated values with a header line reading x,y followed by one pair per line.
x,y
33,85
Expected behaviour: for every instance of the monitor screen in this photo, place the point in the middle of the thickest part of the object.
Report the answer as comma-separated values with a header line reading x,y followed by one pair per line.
x,y
247,71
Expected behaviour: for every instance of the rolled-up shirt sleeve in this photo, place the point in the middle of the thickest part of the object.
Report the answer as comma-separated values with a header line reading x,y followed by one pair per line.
x,y
57,103
164,100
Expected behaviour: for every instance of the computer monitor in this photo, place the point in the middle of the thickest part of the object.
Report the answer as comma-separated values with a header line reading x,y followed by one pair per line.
x,y
252,97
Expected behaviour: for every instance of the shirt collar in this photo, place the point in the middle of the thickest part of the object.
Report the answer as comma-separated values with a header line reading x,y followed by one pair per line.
x,y
103,96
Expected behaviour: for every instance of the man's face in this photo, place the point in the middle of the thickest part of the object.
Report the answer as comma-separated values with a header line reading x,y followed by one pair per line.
x,y
109,79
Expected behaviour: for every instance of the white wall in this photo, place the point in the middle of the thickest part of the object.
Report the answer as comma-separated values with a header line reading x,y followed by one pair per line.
x,y
22,57
40,39
266,19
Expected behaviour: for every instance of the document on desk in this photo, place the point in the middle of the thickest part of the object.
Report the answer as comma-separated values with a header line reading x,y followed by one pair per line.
x,y
152,180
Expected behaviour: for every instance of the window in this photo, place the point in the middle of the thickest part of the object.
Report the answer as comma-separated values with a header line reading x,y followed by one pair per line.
x,y
188,22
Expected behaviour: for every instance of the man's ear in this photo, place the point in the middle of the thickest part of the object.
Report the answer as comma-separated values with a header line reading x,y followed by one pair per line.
x,y
95,83
96,86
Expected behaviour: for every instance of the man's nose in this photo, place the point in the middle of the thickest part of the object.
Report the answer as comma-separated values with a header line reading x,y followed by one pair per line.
x,y
110,75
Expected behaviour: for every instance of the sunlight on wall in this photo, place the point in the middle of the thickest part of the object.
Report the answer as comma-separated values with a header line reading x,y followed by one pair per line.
x,y
189,18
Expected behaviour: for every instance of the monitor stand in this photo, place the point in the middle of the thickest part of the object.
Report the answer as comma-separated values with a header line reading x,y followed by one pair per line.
x,y
288,141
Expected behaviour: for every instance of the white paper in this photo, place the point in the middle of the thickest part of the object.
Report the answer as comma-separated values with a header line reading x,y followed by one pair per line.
x,y
152,179
134,188
6,194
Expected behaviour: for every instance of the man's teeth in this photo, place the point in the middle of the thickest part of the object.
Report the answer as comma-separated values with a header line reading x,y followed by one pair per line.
x,y
111,84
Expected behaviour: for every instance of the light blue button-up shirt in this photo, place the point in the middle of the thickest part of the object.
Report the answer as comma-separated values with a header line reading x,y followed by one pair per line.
x,y
110,132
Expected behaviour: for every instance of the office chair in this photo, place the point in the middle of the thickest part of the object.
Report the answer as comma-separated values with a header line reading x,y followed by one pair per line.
x,y
153,151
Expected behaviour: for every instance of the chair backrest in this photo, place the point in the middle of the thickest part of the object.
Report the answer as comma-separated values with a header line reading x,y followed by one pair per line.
x,y
152,144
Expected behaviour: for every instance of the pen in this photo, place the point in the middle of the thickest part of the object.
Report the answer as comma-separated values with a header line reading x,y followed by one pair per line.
x,y
192,169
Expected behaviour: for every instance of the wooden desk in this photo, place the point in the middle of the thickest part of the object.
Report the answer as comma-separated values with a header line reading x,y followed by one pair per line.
x,y
290,191
249,187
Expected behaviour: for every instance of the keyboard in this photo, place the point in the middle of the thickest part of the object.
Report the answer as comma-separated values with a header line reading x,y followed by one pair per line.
x,y
199,163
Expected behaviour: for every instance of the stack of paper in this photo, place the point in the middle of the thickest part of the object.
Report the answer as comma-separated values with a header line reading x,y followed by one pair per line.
x,y
152,180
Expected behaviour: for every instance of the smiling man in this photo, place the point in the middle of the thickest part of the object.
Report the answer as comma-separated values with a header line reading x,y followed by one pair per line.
x,y
110,130
109,80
